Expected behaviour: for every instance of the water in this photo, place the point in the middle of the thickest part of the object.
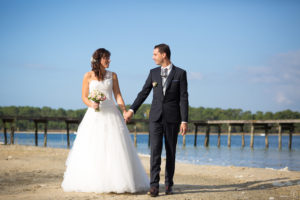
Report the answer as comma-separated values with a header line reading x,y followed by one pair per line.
x,y
212,155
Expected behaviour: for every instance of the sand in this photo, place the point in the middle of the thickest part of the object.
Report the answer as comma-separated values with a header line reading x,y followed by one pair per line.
x,y
36,173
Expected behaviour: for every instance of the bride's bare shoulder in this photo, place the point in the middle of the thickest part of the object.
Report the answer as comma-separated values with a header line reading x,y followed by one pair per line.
x,y
114,74
88,75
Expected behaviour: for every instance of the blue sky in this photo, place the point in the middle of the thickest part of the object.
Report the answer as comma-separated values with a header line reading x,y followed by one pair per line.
x,y
238,54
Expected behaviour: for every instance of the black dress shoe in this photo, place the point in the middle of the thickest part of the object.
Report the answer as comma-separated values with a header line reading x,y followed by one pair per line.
x,y
169,190
153,192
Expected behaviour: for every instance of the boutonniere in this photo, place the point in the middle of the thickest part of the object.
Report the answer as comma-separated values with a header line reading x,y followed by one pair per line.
x,y
154,84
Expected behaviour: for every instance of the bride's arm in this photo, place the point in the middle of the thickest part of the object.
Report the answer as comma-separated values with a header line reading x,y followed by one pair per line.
x,y
85,92
117,93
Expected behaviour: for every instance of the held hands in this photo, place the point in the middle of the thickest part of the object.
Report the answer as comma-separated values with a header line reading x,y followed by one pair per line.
x,y
183,128
127,116
124,115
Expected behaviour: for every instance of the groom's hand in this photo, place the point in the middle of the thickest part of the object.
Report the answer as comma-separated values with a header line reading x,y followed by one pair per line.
x,y
128,115
183,128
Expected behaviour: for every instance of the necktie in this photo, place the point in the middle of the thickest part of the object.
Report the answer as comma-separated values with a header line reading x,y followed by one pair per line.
x,y
164,75
164,72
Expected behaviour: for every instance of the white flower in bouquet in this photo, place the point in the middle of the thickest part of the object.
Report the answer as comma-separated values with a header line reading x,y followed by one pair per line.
x,y
97,97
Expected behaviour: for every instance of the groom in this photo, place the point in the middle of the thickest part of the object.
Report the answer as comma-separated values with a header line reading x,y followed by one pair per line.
x,y
168,114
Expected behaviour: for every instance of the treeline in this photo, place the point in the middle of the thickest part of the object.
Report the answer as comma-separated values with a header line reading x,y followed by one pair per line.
x,y
199,113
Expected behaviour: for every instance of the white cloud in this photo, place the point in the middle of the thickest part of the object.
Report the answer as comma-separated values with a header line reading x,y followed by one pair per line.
x,y
282,68
195,76
290,59
281,75
281,98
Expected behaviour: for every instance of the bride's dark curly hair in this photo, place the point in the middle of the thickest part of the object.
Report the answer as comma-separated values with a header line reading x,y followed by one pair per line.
x,y
95,62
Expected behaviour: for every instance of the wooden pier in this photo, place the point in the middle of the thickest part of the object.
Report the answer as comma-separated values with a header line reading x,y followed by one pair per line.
x,y
254,125
36,120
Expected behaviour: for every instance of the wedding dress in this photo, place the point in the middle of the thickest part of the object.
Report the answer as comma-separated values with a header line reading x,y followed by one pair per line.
x,y
103,158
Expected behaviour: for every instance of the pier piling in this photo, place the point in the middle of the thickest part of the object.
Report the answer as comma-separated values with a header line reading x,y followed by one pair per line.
x,y
279,137
252,136
12,134
195,139
243,136
266,138
229,136
206,140
12,129
36,133
219,135
290,137
45,134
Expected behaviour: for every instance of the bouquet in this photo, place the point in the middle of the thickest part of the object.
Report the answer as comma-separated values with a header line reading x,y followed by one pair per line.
x,y
97,97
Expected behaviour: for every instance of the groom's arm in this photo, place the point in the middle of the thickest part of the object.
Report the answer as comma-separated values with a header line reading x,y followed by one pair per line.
x,y
143,94
184,102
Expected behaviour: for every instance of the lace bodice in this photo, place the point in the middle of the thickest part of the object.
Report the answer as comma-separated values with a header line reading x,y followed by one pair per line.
x,y
105,86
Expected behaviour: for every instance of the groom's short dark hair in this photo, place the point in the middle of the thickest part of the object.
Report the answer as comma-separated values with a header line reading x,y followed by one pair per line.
x,y
164,48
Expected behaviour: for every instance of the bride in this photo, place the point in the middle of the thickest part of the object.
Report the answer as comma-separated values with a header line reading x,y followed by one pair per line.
x,y
103,158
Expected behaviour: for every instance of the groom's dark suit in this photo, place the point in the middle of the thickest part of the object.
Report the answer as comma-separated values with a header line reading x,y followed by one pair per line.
x,y
166,114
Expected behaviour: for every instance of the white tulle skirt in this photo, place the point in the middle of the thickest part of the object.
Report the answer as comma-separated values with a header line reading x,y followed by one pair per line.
x,y
103,158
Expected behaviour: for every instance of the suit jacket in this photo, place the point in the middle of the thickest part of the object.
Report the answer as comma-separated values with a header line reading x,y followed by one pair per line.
x,y
174,104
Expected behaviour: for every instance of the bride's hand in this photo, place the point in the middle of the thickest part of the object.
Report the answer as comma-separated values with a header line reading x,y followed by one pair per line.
x,y
125,115
95,105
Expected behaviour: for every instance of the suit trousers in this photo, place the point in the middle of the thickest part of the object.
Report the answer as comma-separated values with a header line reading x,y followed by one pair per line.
x,y
169,131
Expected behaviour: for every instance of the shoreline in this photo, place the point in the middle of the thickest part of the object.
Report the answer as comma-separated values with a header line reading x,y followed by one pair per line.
x,y
35,173
284,168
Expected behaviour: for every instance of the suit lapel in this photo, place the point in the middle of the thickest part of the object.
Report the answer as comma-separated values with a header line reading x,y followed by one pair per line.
x,y
170,77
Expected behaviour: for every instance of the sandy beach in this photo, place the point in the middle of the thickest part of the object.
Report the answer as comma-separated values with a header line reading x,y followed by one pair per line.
x,y
35,173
